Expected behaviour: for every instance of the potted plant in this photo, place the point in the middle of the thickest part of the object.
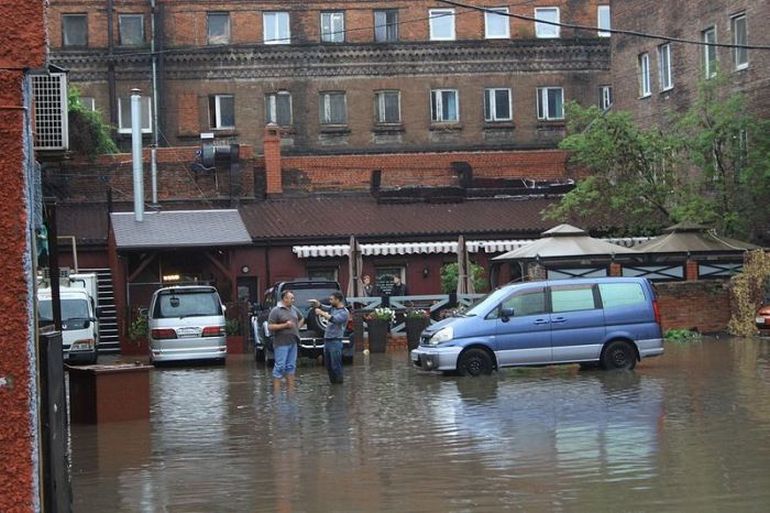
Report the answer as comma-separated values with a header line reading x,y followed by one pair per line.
x,y
137,334
416,320
378,324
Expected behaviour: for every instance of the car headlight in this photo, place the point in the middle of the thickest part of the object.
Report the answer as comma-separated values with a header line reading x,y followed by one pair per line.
x,y
82,345
442,335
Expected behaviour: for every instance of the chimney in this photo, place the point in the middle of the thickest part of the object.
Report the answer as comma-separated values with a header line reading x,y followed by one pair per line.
x,y
272,150
136,154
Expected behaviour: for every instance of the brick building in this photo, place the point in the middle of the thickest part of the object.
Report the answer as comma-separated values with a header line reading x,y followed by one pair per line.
x,y
653,76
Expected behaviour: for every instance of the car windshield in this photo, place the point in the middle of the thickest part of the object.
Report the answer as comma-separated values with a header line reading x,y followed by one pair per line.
x,y
177,304
74,313
487,301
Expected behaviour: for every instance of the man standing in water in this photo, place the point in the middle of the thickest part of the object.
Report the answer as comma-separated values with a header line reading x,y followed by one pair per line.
x,y
284,322
337,315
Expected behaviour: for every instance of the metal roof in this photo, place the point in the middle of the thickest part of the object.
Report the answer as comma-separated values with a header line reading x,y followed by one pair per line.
x,y
565,241
179,228
693,238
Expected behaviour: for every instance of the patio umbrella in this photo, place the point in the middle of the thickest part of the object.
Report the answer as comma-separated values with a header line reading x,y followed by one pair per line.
x,y
464,271
355,266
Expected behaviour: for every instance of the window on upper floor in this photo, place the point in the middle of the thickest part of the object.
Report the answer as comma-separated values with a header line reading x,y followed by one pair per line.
x,y
550,103
644,75
124,115
74,30
740,38
386,25
546,30
444,106
387,106
709,37
664,67
131,29
605,97
278,108
496,25
276,28
333,108
88,103
497,104
222,111
442,24
333,27
218,26
603,20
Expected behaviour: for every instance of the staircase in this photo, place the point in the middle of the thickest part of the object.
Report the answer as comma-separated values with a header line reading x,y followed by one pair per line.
x,y
108,320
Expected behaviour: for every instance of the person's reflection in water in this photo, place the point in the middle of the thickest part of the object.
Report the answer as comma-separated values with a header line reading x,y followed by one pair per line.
x,y
286,452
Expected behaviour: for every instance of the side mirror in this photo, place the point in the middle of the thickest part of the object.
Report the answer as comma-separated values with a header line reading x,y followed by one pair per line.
x,y
506,314
224,309
86,324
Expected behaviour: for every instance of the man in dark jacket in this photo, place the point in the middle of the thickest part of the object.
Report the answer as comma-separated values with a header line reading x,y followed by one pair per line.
x,y
398,289
338,317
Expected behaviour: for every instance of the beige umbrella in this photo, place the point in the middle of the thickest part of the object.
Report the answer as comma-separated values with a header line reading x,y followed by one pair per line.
x,y
464,271
355,266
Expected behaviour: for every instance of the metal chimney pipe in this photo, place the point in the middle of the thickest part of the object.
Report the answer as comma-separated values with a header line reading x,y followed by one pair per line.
x,y
136,154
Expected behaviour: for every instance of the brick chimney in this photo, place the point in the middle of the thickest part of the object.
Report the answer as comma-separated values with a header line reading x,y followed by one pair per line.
x,y
272,151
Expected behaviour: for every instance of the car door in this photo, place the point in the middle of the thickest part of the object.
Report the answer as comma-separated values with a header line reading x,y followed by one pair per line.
x,y
522,330
577,322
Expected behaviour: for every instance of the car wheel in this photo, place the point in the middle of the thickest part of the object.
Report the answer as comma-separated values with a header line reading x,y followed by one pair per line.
x,y
315,322
618,355
475,362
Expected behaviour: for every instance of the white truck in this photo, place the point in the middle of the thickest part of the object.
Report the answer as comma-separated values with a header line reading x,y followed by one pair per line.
x,y
78,294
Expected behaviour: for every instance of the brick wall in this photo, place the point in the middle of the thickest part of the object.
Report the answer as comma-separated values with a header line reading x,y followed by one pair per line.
x,y
701,305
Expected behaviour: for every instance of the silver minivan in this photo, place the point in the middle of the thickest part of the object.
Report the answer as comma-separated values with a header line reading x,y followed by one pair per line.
x,y
186,323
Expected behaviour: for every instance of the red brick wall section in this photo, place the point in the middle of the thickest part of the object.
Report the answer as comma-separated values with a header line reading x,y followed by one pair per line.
x,y
272,149
22,44
701,305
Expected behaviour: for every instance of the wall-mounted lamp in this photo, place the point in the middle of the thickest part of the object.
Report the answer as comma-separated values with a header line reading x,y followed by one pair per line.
x,y
245,269
171,277
425,272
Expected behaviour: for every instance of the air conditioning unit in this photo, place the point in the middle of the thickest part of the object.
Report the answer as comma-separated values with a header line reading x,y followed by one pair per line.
x,y
49,93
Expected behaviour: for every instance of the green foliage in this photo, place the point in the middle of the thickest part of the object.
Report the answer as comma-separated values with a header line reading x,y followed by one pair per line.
x,y
232,327
137,330
682,335
747,291
417,313
89,135
449,275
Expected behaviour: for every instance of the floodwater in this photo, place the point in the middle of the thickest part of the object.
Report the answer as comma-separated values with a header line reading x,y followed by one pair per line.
x,y
686,432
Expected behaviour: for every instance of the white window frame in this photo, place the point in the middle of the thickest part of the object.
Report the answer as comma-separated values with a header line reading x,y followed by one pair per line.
x,y
733,19
88,103
63,29
337,34
709,71
275,22
147,108
437,105
605,97
491,15
271,104
385,25
216,123
441,14
326,108
228,28
490,98
380,106
543,112
665,77
603,13
546,31
121,31
645,86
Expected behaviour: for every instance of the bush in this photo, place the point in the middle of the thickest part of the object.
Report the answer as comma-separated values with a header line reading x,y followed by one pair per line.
x,y
449,275
747,291
682,335
137,330
89,135
232,327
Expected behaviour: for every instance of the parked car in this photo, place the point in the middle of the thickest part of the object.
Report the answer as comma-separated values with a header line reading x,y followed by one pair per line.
x,y
311,343
613,322
762,318
186,323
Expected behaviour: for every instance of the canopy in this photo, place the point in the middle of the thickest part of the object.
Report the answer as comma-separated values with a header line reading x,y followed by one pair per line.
x,y
693,238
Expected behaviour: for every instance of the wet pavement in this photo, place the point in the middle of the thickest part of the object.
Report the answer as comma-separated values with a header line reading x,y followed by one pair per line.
x,y
687,432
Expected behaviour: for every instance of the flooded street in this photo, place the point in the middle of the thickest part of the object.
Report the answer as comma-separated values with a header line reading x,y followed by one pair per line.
x,y
687,432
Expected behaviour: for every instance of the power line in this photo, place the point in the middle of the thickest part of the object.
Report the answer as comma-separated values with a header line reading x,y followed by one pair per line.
x,y
602,29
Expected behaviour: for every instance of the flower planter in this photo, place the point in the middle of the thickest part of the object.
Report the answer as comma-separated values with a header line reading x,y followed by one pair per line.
x,y
378,335
235,344
414,328
138,347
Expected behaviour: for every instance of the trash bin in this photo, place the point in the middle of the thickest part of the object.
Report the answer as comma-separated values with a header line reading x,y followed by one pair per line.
x,y
109,393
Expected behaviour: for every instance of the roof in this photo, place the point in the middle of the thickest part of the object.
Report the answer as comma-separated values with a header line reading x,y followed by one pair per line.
x,y
693,238
179,228
564,241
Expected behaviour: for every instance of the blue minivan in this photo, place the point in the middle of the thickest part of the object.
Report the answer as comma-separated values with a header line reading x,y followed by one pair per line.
x,y
613,322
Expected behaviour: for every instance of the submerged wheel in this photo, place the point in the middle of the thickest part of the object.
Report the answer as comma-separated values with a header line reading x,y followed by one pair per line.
x,y
475,362
619,355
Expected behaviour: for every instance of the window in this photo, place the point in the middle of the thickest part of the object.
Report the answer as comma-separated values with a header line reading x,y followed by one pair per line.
x,y
605,97
496,26
709,36
131,29
333,27
444,106
618,295
333,110
222,111
218,24
124,115
74,30
276,28
528,302
550,103
442,24
644,75
388,106
497,105
383,278
740,38
386,26
545,30
664,67
88,103
278,108
572,298
603,20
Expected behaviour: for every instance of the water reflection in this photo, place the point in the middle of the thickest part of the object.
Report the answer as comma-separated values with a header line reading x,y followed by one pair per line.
x,y
686,432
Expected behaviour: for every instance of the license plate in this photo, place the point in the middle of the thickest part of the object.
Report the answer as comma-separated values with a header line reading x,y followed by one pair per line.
x,y
187,332
759,320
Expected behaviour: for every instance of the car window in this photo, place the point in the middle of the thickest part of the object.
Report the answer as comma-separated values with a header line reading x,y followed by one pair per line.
x,y
525,302
187,304
571,298
617,295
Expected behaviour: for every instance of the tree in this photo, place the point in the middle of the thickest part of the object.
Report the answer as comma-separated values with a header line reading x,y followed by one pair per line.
x,y
449,276
89,134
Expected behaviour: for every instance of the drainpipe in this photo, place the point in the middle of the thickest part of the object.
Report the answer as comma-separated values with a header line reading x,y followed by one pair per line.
x,y
136,154
154,151
112,90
